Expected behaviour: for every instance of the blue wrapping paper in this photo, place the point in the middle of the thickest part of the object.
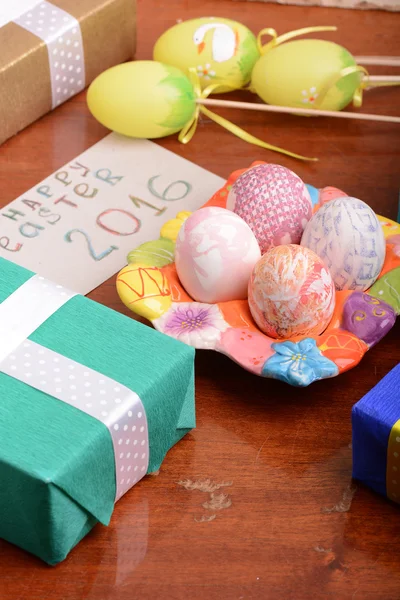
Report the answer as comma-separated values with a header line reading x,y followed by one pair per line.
x,y
375,419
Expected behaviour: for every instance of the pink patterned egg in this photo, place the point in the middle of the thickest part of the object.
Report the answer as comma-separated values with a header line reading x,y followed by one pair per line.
x,y
215,254
274,202
291,293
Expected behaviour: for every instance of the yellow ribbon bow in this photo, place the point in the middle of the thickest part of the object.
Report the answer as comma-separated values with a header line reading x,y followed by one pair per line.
x,y
189,129
365,82
277,40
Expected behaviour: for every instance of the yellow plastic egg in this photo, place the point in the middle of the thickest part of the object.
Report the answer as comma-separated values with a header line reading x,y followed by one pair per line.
x,y
144,290
143,99
220,50
306,73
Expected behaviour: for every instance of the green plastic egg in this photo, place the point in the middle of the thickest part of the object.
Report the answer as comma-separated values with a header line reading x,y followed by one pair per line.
x,y
297,73
220,50
143,99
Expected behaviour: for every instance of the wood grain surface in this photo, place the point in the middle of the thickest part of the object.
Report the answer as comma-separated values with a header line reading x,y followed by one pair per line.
x,y
289,525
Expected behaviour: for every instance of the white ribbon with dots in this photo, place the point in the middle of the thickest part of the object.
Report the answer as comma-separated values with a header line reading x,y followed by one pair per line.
x,y
62,35
101,397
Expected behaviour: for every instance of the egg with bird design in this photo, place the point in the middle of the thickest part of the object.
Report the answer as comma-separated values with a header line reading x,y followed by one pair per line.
x,y
224,43
220,50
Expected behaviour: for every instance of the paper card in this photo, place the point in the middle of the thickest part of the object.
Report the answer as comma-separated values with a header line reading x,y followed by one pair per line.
x,y
11,10
77,226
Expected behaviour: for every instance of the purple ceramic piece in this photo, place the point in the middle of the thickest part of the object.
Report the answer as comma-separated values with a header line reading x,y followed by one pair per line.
x,y
367,317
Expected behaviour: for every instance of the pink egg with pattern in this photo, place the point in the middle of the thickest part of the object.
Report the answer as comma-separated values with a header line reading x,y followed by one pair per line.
x,y
291,293
215,254
274,202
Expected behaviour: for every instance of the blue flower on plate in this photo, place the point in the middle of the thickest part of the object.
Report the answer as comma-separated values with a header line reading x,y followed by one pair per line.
x,y
298,363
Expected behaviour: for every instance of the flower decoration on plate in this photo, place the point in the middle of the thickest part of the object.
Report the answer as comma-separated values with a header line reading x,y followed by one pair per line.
x,y
194,323
299,363
150,287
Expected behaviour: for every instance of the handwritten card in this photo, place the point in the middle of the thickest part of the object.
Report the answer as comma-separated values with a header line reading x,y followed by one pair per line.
x,y
77,226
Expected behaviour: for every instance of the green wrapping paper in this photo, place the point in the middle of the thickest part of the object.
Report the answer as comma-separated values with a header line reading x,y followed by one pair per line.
x,y
57,468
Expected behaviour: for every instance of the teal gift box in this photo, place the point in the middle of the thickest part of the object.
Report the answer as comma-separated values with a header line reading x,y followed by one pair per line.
x,y
57,463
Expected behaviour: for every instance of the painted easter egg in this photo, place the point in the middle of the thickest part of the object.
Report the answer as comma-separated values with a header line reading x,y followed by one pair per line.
x,y
274,202
144,290
348,237
214,255
220,50
143,99
291,293
367,317
298,74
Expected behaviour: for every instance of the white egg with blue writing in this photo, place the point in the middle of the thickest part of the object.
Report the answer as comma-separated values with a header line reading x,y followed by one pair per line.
x,y
348,237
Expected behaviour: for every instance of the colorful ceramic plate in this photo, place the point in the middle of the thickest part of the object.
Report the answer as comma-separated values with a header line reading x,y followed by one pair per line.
x,y
150,287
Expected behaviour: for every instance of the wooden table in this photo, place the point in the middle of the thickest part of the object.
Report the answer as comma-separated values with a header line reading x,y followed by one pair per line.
x,y
289,527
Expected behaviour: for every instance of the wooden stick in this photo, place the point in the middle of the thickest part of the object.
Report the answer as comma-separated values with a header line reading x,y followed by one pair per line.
x,y
296,111
386,61
384,78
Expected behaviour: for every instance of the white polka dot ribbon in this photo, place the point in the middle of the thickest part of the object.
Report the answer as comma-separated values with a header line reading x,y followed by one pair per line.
x,y
26,309
101,397
62,35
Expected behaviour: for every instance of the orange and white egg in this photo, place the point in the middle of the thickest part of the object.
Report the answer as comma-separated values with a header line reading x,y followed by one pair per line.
x,y
291,293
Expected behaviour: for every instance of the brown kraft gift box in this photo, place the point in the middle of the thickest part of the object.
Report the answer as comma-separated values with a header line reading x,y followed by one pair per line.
x,y
108,30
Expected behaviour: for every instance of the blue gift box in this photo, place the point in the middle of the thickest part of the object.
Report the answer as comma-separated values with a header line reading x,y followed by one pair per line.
x,y
376,437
